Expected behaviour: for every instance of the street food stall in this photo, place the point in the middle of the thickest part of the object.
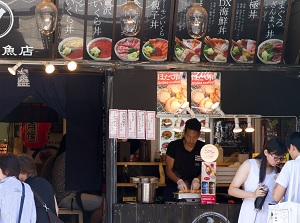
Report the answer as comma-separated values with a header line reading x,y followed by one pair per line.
x,y
145,60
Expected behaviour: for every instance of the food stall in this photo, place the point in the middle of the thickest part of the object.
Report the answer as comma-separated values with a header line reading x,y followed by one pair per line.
x,y
252,55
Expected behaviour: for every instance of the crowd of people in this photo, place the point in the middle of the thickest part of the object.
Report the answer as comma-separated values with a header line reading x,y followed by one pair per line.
x,y
20,187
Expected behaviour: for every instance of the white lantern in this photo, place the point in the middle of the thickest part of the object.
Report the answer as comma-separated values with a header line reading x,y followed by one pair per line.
x,y
130,17
46,16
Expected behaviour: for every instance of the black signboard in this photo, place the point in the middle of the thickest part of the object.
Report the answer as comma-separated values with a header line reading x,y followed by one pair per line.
x,y
71,29
273,28
216,41
245,31
19,35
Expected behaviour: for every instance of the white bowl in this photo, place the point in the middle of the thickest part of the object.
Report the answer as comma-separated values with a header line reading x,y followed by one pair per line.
x,y
263,44
150,59
238,61
124,40
69,39
93,41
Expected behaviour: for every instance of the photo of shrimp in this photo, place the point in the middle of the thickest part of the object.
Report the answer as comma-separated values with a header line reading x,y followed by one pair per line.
x,y
216,49
187,50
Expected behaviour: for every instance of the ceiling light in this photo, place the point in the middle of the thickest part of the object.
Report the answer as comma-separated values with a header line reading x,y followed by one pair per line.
x,y
249,127
217,109
49,68
72,65
196,20
185,106
237,128
130,17
13,69
177,127
206,127
46,16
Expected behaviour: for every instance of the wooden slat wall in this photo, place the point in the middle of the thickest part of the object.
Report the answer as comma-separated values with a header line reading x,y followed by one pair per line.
x,y
172,213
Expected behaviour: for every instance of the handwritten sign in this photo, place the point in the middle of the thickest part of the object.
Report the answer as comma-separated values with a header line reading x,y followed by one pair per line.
x,y
113,123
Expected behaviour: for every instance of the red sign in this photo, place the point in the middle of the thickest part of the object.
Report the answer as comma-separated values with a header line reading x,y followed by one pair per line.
x,y
35,135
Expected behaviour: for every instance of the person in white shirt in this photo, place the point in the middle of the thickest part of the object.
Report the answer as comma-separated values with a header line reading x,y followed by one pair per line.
x,y
286,180
11,193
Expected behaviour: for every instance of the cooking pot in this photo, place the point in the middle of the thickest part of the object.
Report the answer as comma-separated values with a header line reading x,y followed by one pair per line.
x,y
146,192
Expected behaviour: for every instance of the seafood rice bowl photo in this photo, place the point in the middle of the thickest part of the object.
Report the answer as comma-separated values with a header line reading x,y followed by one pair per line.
x,y
243,51
270,51
216,49
71,48
155,49
128,49
187,50
100,48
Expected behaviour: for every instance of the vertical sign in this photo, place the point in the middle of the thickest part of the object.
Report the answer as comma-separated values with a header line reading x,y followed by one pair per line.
x,y
205,91
113,123
171,91
156,30
99,26
245,30
218,30
122,128
132,124
150,125
71,29
141,123
186,48
274,18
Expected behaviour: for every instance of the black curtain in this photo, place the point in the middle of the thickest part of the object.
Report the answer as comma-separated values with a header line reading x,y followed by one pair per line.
x,y
84,133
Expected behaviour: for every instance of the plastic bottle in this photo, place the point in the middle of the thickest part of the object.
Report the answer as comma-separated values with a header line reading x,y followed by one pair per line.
x,y
125,174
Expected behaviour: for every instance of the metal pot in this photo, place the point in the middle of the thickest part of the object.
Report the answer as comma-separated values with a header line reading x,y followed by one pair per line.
x,y
146,192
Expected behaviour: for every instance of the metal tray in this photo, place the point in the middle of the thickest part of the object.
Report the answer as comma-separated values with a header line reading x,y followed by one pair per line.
x,y
187,195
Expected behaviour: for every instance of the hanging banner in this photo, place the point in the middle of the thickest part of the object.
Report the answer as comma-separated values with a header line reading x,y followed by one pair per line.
x,y
171,91
35,135
245,31
205,92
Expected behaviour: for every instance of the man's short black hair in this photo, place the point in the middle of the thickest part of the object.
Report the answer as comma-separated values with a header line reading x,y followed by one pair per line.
x,y
192,124
294,139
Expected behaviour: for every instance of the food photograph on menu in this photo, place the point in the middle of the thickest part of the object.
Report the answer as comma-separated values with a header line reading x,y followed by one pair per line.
x,y
171,91
205,91
100,48
128,49
155,49
71,48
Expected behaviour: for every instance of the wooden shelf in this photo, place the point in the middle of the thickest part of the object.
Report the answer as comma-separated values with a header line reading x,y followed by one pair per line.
x,y
140,163
163,185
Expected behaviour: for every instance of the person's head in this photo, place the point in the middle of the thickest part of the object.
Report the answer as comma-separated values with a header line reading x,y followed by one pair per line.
x,y
191,131
9,165
28,168
271,155
293,144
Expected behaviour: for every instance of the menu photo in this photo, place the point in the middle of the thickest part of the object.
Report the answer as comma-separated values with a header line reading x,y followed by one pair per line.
x,y
205,92
171,91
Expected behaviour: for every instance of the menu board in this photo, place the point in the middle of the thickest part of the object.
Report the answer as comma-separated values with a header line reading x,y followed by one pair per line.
x,y
243,44
216,41
270,48
171,91
205,92
98,34
167,134
156,30
19,35
71,29
186,49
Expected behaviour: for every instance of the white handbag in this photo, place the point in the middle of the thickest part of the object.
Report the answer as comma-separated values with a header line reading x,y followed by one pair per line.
x,y
285,212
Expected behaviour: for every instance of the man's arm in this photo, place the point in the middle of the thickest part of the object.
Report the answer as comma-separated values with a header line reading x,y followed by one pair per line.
x,y
278,192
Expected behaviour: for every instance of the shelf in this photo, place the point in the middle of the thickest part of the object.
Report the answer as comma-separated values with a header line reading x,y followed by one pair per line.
x,y
140,163
163,185
134,184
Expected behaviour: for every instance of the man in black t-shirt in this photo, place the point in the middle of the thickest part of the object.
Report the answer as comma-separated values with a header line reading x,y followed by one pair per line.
x,y
183,161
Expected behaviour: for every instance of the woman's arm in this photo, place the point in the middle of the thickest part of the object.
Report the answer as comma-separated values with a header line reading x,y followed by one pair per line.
x,y
239,179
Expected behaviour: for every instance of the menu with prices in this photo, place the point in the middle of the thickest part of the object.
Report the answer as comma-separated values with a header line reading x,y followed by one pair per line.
x,y
150,125
132,124
208,182
270,49
205,91
245,31
113,123
71,29
141,124
123,128
216,41
171,91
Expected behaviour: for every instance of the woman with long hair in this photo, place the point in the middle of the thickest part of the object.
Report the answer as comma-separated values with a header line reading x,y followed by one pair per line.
x,y
255,175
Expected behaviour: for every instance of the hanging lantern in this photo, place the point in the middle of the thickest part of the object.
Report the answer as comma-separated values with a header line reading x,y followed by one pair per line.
x,y
130,17
196,21
46,16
